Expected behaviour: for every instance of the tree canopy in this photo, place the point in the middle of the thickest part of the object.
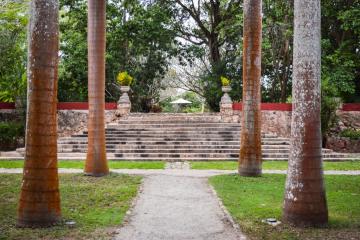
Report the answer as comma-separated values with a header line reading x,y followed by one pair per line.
x,y
200,38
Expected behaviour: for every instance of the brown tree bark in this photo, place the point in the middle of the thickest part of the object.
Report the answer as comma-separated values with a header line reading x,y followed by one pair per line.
x,y
39,204
250,151
305,199
96,162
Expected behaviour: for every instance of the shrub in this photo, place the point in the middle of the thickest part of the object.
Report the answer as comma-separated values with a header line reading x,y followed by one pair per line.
x,y
10,134
350,133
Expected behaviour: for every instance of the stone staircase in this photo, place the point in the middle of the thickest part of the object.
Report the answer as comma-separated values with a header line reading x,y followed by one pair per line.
x,y
177,137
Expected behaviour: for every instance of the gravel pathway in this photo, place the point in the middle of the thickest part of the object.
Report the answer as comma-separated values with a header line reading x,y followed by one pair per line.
x,y
177,207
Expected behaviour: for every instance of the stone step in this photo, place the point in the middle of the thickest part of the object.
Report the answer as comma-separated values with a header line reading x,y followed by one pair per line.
x,y
166,142
187,150
176,133
175,129
173,116
149,147
174,136
204,156
171,121
156,155
171,126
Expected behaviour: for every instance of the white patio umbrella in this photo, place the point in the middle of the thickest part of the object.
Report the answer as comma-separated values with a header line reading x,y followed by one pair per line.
x,y
179,103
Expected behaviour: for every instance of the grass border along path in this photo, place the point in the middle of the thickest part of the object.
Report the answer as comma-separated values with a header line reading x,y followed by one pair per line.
x,y
97,205
251,200
80,164
273,165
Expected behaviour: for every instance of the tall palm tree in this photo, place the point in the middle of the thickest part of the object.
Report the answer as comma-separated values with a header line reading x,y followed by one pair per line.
x,y
305,200
250,150
39,204
96,163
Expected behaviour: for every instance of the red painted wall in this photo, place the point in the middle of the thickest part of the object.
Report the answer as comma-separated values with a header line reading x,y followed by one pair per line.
x,y
82,106
288,106
351,107
236,106
66,106
7,105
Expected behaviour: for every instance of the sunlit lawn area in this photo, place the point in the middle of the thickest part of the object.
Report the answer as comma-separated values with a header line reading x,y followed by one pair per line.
x,y
97,205
249,200
80,164
273,165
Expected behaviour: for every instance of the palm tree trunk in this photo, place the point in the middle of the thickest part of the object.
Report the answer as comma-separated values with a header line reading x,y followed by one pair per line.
x,y
305,200
250,150
96,163
39,204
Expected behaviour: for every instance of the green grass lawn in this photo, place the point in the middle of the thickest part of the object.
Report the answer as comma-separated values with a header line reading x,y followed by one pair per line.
x,y
97,205
273,165
249,200
80,164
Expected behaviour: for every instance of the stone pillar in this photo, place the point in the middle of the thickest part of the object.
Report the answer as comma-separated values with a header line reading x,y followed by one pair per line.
x,y
226,103
124,104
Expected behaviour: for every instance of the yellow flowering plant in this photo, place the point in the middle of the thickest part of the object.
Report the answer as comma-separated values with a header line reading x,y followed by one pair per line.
x,y
225,81
124,79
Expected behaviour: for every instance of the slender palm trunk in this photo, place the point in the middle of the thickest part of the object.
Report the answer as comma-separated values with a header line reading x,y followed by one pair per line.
x,y
39,204
96,163
305,200
250,150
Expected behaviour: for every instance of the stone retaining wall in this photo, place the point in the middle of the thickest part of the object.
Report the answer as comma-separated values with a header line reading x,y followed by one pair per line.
x,y
75,121
343,144
8,115
278,122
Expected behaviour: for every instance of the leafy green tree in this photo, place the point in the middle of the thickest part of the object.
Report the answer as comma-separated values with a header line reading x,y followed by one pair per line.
x,y
277,50
139,41
73,51
13,22
340,46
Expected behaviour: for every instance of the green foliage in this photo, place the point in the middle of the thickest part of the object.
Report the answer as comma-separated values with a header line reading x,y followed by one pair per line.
x,y
329,104
277,50
138,40
143,37
73,48
13,22
212,86
340,47
10,133
350,133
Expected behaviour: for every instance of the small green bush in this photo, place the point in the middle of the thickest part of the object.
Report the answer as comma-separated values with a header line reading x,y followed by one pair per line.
x,y
10,132
350,133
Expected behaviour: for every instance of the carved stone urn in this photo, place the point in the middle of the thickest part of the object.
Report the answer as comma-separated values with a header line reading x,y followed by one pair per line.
x,y
124,104
226,98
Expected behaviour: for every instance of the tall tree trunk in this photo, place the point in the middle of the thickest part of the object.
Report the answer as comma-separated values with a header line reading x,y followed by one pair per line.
x,y
250,150
39,204
96,163
305,200
215,57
